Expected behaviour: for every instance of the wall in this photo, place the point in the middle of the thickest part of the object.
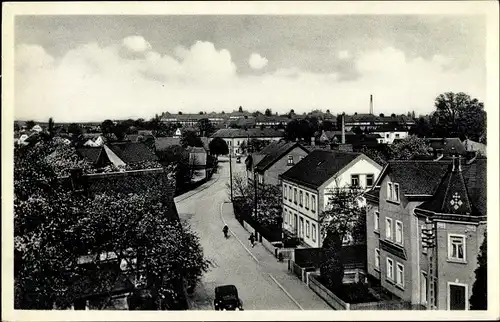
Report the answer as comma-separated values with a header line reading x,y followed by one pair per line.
x,y
271,175
330,298
388,137
307,215
372,240
403,212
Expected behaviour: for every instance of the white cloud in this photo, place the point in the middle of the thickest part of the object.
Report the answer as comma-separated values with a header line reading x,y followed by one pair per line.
x,y
256,61
94,83
344,54
136,43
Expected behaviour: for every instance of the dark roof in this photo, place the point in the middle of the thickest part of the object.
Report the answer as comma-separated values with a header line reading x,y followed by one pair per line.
x,y
132,152
417,177
162,143
462,191
372,195
390,128
252,133
96,155
275,151
193,149
319,166
358,140
447,145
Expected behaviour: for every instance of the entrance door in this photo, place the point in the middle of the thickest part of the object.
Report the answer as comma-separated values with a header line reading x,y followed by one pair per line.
x,y
457,295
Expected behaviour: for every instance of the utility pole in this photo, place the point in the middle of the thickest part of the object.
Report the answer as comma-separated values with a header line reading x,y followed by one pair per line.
x,y
255,200
231,170
429,242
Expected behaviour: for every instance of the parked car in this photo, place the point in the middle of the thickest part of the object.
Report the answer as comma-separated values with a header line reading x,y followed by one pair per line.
x,y
238,159
226,298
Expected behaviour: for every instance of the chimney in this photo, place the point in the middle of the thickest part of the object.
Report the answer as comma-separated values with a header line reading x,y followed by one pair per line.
x,y
371,104
343,128
313,141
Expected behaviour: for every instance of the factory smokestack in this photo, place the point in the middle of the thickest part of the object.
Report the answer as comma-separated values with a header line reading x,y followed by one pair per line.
x,y
343,128
371,104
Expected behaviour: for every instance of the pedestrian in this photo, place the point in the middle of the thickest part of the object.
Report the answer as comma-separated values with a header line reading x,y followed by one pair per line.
x,y
252,239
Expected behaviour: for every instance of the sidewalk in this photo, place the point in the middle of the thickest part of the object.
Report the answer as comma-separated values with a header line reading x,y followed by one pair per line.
x,y
299,292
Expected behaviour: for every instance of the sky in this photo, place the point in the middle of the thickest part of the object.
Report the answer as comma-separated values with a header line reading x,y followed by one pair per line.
x,y
89,68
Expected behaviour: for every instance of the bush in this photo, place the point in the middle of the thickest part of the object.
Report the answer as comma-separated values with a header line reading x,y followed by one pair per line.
x,y
352,293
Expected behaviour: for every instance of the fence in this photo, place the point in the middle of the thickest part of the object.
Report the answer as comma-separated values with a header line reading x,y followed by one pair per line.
x,y
243,212
331,299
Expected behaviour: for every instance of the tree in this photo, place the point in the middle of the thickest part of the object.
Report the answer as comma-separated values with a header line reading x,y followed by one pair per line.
x,y
120,131
189,138
422,128
357,130
269,205
268,112
54,227
457,114
381,115
243,147
343,221
200,112
327,126
375,154
408,148
240,109
74,129
51,128
107,127
218,147
30,124
206,127
180,113
479,297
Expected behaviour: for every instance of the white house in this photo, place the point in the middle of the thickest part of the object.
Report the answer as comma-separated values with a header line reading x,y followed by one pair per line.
x,y
308,185
235,137
37,128
390,132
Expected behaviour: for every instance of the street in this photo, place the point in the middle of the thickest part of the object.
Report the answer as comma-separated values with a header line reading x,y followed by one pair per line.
x,y
262,283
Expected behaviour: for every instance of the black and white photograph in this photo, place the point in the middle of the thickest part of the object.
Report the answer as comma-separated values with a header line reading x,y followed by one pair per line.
x,y
177,157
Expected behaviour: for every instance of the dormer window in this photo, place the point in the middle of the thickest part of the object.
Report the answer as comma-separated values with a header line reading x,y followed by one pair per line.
x,y
290,160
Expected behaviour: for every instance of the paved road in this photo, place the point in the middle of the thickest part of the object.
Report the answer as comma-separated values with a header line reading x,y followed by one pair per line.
x,y
231,263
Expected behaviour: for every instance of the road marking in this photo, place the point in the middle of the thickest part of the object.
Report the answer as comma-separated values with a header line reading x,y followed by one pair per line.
x,y
232,233
286,292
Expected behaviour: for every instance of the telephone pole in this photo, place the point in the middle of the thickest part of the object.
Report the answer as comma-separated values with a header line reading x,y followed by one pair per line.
x,y
231,170
429,243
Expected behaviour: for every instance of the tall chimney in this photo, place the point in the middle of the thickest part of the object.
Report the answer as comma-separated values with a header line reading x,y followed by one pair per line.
x,y
371,104
343,128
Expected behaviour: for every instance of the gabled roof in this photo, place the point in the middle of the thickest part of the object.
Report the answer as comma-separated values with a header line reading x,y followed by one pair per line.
x,y
318,167
195,149
372,195
447,145
275,151
462,191
415,177
132,152
163,143
96,155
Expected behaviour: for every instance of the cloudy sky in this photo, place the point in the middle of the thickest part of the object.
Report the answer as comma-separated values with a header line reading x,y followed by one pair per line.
x,y
88,68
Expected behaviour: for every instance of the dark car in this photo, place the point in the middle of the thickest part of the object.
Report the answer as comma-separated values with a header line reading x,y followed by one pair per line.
x,y
226,298
238,159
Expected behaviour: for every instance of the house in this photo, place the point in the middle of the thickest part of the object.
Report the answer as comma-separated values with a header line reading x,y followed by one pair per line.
x,y
389,132
37,128
93,140
235,137
308,185
271,121
198,158
472,146
411,199
130,154
273,160
178,133
447,146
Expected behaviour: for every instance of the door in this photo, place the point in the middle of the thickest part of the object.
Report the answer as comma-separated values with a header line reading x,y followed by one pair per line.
x,y
457,295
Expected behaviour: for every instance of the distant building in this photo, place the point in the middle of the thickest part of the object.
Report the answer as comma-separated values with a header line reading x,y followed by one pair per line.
x,y
389,133
236,137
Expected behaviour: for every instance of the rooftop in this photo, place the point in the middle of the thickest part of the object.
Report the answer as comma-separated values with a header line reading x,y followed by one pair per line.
x,y
251,133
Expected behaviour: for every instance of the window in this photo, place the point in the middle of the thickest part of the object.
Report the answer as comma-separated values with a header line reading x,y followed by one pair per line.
x,y
238,143
307,228
388,228
457,296
301,227
456,247
313,203
355,180
301,197
390,269
400,275
307,200
376,219
399,232
261,179
286,216
290,160
289,193
396,192
295,195
284,191
377,258
369,180
389,191
387,135
313,232
423,288
301,157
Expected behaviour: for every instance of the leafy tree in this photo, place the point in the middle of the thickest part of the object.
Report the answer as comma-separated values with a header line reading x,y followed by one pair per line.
x,y
240,109
218,147
408,148
189,138
107,127
120,130
422,128
268,112
243,147
381,115
255,145
343,220
357,130
327,126
376,154
206,127
74,128
51,128
16,127
139,124
241,188
457,114
393,115
479,297
200,112
269,205
30,124
180,113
